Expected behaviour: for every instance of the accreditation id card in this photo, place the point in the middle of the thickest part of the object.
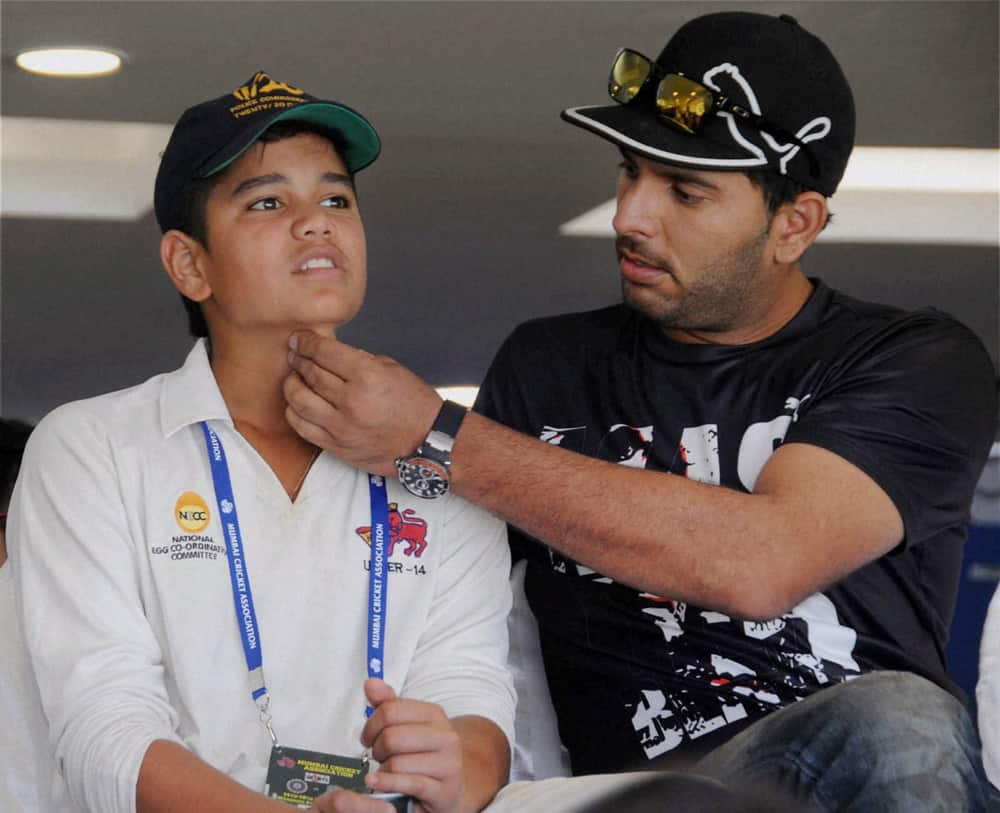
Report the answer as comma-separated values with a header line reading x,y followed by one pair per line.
x,y
296,777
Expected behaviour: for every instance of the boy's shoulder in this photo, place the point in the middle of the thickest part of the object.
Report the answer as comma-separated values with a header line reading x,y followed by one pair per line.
x,y
123,416
154,408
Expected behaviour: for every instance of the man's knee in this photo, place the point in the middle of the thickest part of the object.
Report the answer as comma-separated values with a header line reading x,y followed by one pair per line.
x,y
887,706
885,735
883,722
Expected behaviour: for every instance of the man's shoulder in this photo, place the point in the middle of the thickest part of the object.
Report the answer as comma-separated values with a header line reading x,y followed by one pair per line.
x,y
865,326
868,313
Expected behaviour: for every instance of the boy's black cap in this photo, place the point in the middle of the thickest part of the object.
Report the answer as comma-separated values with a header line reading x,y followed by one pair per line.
x,y
210,136
769,65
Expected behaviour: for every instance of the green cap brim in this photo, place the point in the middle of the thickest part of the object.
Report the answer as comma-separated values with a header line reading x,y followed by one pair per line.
x,y
359,143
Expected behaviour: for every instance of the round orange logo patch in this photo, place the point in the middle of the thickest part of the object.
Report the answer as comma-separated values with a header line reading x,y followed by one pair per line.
x,y
191,512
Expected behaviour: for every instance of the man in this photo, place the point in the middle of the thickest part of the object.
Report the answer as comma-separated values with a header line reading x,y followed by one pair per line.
x,y
682,621
205,593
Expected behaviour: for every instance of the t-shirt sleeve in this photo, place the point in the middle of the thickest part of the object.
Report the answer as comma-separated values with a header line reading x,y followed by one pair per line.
x,y
74,558
914,406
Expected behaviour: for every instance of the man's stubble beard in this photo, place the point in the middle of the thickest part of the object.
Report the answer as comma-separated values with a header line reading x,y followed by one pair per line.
x,y
715,300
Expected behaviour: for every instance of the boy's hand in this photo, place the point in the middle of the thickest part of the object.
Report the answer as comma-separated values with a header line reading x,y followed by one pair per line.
x,y
418,748
366,410
347,801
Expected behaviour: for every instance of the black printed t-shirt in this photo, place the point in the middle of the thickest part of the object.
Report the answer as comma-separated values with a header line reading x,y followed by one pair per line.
x,y
909,398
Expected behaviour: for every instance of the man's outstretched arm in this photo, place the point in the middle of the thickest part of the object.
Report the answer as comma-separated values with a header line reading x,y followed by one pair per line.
x,y
813,517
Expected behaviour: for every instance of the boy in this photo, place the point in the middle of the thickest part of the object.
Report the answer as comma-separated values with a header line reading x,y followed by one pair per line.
x,y
23,750
158,528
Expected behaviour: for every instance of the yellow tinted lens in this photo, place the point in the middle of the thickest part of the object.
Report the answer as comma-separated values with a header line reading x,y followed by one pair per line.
x,y
682,102
627,75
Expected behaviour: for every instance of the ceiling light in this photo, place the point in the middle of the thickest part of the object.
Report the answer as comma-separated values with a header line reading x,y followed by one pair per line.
x,y
81,170
80,62
466,396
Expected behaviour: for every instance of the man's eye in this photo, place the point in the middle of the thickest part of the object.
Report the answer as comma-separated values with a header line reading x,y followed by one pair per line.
x,y
685,197
265,204
336,202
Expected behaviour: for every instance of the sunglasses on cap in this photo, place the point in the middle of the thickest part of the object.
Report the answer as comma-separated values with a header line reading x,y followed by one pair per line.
x,y
683,103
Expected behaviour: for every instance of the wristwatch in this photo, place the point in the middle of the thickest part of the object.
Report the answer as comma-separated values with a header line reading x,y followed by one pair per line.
x,y
425,473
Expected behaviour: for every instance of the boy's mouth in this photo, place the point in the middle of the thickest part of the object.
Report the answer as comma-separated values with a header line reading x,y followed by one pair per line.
x,y
317,262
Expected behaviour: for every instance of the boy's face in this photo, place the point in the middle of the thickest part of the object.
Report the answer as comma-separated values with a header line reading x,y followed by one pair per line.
x,y
286,242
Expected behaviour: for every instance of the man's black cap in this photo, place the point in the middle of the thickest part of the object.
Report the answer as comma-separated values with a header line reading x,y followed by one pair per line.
x,y
768,65
210,136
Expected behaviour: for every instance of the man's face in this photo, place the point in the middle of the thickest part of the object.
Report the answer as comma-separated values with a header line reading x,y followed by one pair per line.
x,y
692,245
287,246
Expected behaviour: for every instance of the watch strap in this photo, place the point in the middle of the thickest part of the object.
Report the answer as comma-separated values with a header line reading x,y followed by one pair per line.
x,y
446,425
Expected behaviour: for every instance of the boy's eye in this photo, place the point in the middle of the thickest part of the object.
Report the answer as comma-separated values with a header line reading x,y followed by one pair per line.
x,y
265,204
336,202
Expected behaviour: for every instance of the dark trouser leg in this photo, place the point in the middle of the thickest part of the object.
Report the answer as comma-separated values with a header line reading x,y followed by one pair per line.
x,y
884,742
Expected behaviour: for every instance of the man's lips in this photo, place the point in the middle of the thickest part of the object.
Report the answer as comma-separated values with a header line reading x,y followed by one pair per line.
x,y
634,269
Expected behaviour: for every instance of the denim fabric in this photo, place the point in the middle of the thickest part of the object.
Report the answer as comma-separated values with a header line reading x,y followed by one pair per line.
x,y
882,743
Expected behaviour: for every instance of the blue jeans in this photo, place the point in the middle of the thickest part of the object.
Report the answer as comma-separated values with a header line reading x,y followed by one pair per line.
x,y
884,742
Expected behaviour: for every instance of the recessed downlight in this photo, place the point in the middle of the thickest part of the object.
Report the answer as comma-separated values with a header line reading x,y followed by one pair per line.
x,y
69,62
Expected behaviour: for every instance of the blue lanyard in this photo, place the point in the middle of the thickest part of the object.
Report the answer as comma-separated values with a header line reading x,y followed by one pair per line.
x,y
378,583
246,615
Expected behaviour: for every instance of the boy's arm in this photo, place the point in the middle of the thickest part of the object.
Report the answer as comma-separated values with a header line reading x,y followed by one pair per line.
x,y
172,778
96,661
486,756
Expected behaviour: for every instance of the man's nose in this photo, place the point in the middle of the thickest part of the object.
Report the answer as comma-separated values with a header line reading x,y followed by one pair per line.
x,y
635,214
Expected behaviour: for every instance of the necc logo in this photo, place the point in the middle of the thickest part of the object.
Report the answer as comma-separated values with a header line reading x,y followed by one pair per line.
x,y
191,512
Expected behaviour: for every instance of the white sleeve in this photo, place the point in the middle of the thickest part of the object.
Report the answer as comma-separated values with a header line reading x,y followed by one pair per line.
x,y
988,691
460,659
98,665
538,751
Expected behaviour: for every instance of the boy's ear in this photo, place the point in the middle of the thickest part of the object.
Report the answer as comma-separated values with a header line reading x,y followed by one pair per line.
x,y
799,223
183,257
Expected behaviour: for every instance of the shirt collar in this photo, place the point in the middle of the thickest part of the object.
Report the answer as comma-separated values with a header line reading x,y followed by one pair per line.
x,y
191,394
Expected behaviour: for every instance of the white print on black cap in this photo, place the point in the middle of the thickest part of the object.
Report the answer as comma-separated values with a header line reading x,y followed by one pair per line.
x,y
816,129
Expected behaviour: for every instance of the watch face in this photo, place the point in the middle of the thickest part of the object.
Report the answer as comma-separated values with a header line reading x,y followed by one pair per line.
x,y
423,477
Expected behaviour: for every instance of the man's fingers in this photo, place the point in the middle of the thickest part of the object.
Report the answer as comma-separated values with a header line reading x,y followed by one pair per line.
x,y
316,435
327,352
328,384
306,402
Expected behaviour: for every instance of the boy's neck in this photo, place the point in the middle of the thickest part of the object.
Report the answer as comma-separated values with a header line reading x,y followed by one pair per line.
x,y
250,374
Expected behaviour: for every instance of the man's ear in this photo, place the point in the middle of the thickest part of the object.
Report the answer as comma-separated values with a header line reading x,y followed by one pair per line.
x,y
183,259
798,224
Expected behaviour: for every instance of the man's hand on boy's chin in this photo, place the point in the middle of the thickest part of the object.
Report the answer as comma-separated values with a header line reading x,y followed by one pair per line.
x,y
365,409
